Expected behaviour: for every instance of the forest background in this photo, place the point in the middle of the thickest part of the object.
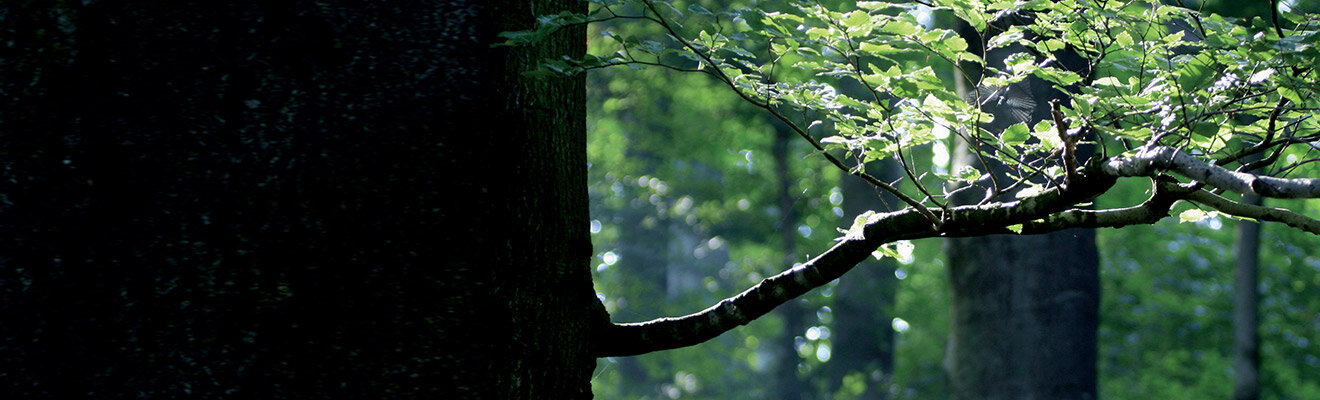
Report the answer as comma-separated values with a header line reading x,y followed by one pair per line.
x,y
697,194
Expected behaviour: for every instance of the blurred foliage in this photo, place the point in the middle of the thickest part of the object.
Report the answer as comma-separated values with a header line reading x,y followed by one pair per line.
x,y
683,192
1166,329
1167,308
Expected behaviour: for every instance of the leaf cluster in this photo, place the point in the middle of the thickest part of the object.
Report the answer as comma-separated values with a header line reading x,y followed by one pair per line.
x,y
1151,75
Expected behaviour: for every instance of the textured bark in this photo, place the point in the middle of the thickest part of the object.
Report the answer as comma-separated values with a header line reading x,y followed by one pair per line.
x,y
1149,160
290,200
1025,310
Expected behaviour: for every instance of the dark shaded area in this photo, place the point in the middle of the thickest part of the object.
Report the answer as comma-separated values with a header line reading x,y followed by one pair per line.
x,y
284,200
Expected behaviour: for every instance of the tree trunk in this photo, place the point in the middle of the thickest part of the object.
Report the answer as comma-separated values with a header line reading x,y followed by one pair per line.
x,y
1025,312
789,383
260,200
1246,322
1025,309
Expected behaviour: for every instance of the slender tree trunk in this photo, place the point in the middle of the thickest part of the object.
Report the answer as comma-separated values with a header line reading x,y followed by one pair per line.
x,y
1246,322
862,331
790,385
290,200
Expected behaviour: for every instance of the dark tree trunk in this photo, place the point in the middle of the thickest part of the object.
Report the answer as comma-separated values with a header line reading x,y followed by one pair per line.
x,y
789,384
1025,309
1246,321
290,200
1025,312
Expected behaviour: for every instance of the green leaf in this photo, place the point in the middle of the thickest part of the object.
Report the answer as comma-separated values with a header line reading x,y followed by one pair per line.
x,y
1049,45
1020,63
873,5
1138,133
1290,94
856,20
856,231
877,48
955,43
970,12
900,27
1205,129
1049,138
994,82
899,250
1193,215
1044,125
967,173
1108,81
1195,72
1059,76
1011,36
818,33
705,38
1016,228
1123,40
670,6
1016,134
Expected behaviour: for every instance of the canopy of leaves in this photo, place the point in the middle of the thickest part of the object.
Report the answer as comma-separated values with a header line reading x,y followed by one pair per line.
x,y
1154,77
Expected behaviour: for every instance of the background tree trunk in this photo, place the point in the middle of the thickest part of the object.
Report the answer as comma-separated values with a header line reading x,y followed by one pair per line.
x,y
1246,322
789,383
1025,309
862,332
271,200
1025,312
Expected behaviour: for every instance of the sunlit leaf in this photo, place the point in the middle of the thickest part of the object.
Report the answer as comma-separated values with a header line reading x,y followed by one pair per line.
x,y
1123,39
1192,215
1016,134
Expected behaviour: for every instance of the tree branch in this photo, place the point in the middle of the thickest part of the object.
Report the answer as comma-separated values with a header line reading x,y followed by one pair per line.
x,y
1149,160
1049,211
670,333
626,339
1262,213
1148,212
